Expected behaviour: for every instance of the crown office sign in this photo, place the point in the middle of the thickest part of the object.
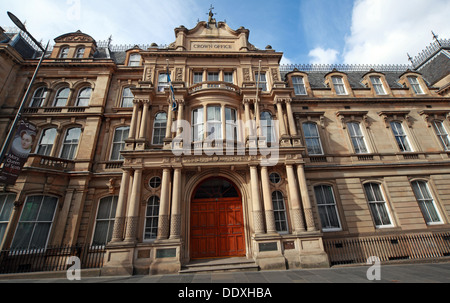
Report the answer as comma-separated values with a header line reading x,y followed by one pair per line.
x,y
211,46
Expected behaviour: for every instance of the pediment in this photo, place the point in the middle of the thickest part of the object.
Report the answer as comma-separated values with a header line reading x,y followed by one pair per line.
x,y
75,37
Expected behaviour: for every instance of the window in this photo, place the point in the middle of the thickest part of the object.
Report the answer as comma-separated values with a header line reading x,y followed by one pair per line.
x,y
267,127
339,87
104,224
84,96
426,202
162,82
377,205
442,134
214,122
61,97
274,178
213,76
357,138
39,97
127,97
262,81
45,146
228,77
400,137
312,139
151,218
377,85
120,135
70,144
64,52
415,85
6,207
135,60
230,124
299,85
279,211
35,223
198,77
327,207
197,124
155,182
159,128
80,53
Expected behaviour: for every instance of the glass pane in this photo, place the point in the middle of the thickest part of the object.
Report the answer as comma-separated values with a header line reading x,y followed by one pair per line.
x,y
3,227
31,208
101,233
6,206
48,209
22,236
40,235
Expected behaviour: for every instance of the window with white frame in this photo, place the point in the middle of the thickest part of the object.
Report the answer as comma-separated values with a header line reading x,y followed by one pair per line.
x,y
312,138
84,96
299,85
127,97
426,202
35,223
262,81
104,223
163,82
326,205
39,97
267,127
339,87
62,95
45,145
400,136
134,60
213,76
64,52
357,137
230,124
377,85
151,218
197,124
80,52
415,85
159,128
120,135
442,134
279,211
228,77
377,205
6,207
214,123
70,143
198,77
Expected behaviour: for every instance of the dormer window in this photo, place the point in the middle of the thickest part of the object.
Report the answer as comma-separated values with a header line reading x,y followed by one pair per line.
x,y
415,85
338,83
134,60
377,85
299,85
80,52
64,52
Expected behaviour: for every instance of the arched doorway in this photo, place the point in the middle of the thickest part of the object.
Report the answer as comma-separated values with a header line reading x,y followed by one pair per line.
x,y
217,225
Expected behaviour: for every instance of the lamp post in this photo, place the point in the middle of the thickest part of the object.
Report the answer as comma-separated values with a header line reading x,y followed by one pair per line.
x,y
18,116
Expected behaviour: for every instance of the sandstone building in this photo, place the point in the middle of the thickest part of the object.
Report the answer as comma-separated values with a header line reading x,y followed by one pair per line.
x,y
343,162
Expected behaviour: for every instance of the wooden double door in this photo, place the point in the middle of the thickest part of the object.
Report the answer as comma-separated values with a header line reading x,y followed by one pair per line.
x,y
217,227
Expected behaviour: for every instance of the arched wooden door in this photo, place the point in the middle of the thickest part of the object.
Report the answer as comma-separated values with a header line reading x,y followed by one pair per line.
x,y
217,225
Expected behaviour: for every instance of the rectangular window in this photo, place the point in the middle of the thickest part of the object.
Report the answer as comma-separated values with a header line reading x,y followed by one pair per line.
x,y
377,205
70,144
159,129
104,224
299,85
279,212
377,85
262,81
213,76
197,124
339,86
400,137
127,97
327,208
214,122
312,139
47,140
151,218
198,77
6,207
442,134
415,85
120,135
162,82
357,138
35,223
228,77
231,124
426,202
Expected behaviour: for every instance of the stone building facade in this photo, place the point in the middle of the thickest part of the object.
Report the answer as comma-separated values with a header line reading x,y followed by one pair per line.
x,y
316,154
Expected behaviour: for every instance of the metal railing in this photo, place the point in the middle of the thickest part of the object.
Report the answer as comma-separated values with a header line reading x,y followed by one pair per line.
x,y
50,258
388,248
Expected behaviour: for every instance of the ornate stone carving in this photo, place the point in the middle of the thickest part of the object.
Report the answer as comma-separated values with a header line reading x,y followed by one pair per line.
x,y
246,74
163,227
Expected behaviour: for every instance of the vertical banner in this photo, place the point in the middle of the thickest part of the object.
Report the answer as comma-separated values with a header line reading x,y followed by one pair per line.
x,y
18,152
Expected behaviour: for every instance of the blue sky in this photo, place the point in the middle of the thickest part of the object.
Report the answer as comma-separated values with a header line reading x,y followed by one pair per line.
x,y
306,31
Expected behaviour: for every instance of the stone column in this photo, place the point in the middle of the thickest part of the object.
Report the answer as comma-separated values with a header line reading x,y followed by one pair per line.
x,y
280,118
309,218
299,224
134,117
119,221
267,198
163,222
258,217
133,207
290,115
169,122
144,120
175,220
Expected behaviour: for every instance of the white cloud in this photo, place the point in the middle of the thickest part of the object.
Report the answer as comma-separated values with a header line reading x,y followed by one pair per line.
x,y
323,56
384,31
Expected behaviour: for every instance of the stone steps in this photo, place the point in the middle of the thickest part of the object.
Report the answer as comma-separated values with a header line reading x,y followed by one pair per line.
x,y
219,265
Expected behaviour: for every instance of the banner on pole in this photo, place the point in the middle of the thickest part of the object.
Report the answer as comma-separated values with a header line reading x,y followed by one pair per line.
x,y
18,152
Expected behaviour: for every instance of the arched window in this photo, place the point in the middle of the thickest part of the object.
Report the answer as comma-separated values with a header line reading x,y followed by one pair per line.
x,y
159,128
120,135
127,97
84,96
35,223
64,52
377,205
70,143
39,97
279,211
104,224
442,134
6,207
312,138
267,127
426,202
45,145
326,205
151,218
80,52
61,97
